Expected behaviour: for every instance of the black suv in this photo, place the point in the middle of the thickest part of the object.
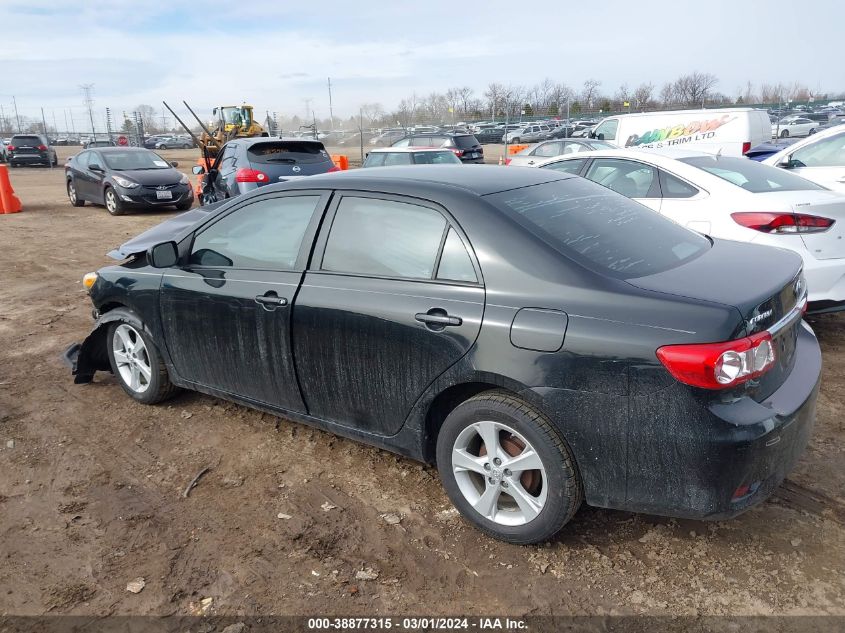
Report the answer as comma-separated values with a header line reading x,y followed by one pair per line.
x,y
465,146
31,149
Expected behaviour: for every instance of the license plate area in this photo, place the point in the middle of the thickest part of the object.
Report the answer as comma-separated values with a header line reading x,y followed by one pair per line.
x,y
164,195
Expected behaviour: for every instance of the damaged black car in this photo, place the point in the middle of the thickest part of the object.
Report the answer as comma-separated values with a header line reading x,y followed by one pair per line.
x,y
541,339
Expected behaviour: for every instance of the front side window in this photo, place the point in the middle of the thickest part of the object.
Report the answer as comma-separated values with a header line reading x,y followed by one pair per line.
x,y
375,159
264,235
829,152
384,238
607,130
630,178
548,150
600,229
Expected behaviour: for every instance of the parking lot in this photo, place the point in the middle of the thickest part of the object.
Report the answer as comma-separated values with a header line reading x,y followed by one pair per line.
x,y
91,490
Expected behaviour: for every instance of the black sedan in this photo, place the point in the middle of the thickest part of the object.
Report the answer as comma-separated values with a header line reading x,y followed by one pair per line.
x,y
540,338
125,178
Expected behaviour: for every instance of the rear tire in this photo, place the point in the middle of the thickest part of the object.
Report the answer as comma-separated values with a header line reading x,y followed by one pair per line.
x,y
812,131
515,141
501,496
73,196
112,201
784,134
137,365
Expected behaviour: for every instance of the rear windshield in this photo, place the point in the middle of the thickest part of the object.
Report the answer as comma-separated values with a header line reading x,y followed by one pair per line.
x,y
466,140
287,152
25,140
750,174
601,229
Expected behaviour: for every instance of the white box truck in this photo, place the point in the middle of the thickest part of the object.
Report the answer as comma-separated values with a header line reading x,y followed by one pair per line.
x,y
731,131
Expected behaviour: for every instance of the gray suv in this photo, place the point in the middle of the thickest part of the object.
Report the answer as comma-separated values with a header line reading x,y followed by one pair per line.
x,y
31,149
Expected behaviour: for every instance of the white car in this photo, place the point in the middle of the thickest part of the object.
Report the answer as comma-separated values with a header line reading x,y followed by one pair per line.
x,y
535,154
794,126
820,158
736,199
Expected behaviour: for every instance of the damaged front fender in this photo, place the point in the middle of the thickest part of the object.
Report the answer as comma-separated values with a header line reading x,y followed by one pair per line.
x,y
92,354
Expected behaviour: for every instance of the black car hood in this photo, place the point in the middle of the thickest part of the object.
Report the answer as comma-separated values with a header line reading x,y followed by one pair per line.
x,y
175,229
150,177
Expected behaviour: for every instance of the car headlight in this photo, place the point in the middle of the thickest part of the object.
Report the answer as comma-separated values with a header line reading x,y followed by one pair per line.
x,y
184,180
125,182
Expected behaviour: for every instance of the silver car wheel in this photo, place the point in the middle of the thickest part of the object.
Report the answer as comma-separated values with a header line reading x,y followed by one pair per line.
x,y
111,201
131,358
499,473
71,192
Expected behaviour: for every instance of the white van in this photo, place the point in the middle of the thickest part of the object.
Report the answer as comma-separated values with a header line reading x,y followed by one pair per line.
x,y
731,131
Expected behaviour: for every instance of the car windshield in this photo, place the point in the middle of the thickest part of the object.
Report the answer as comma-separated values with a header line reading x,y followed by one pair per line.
x,y
600,229
751,175
129,160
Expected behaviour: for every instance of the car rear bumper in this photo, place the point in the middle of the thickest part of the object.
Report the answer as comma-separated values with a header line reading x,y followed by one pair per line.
x,y
31,159
825,279
726,457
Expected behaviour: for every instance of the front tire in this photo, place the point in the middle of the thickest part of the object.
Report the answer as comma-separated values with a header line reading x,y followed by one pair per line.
x,y
812,131
73,196
162,146
522,491
784,134
137,364
515,141
113,204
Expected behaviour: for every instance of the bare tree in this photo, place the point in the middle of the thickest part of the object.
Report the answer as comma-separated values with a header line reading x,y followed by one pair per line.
x,y
667,94
372,112
623,95
692,89
148,117
642,95
590,92
494,95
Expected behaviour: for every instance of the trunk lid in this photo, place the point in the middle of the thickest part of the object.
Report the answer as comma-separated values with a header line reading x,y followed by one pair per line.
x,y
281,159
829,244
764,284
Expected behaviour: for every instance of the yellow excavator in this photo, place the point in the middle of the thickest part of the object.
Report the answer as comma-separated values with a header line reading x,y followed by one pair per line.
x,y
229,122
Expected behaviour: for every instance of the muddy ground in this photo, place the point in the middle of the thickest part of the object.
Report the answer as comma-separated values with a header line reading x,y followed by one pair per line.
x,y
91,492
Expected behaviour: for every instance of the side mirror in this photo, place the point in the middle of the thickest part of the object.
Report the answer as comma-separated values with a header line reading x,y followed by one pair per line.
x,y
95,167
786,163
163,255
198,169
173,163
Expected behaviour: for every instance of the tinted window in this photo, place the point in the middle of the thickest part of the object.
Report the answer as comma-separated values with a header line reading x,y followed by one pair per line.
x,y
436,158
466,140
25,140
568,166
829,152
428,141
630,178
291,152
455,263
266,234
384,238
602,230
750,174
675,187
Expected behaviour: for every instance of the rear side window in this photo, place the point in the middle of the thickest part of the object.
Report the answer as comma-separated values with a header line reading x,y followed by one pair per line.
x,y
568,166
455,263
600,229
673,187
630,178
287,152
465,141
436,158
384,238
750,174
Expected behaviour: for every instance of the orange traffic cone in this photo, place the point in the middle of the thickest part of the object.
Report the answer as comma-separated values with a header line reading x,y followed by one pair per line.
x,y
9,202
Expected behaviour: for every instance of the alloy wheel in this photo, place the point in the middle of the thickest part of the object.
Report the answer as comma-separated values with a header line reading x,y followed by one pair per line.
x,y
131,358
71,192
111,201
499,473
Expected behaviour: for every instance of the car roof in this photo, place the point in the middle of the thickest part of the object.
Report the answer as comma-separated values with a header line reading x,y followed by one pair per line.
x,y
478,179
252,140
656,157
382,150
109,149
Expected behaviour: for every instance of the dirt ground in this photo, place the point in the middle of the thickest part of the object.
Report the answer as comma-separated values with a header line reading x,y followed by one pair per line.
x,y
91,492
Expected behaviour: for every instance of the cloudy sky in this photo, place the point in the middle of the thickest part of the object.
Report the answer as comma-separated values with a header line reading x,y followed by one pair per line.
x,y
276,54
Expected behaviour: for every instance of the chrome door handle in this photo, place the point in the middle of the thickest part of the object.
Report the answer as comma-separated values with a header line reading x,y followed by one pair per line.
x,y
438,319
271,301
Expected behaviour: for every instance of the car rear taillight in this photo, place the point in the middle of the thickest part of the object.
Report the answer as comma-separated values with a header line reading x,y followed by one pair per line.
x,y
458,152
746,147
719,365
333,168
41,148
250,175
11,148
782,222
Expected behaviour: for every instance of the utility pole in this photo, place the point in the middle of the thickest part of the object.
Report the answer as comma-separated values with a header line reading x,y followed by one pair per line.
x,y
72,125
2,119
331,111
43,122
55,126
17,118
88,91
